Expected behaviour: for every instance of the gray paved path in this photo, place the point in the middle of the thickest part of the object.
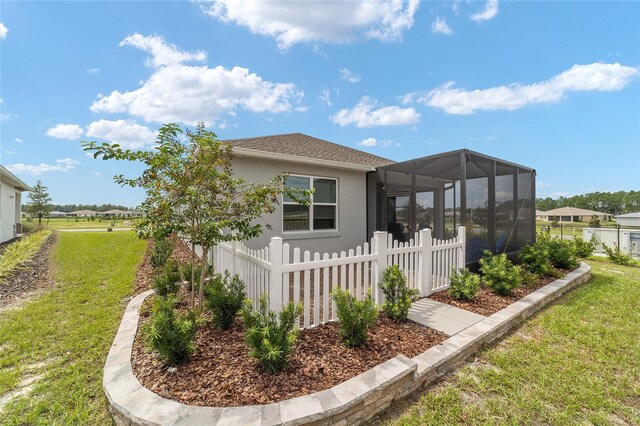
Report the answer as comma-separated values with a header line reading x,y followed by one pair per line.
x,y
442,317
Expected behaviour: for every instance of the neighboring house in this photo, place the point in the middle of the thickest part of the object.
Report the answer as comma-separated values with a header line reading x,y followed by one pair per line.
x,y
628,219
116,212
574,214
357,193
540,215
83,213
11,189
57,214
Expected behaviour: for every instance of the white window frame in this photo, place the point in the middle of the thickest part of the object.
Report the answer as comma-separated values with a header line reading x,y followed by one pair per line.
x,y
313,203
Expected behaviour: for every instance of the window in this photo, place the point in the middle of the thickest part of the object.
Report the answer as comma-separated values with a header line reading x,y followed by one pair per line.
x,y
320,215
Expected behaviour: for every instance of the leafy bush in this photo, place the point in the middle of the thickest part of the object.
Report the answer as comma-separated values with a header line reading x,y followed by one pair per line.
x,y
170,334
500,275
616,255
535,257
355,317
528,278
464,284
270,337
398,296
562,254
594,222
162,249
225,295
584,248
168,282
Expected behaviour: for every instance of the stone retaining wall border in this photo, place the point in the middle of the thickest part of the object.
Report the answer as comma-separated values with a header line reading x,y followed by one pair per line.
x,y
351,402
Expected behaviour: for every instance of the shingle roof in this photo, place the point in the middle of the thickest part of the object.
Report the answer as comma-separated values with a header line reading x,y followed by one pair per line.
x,y
573,211
303,145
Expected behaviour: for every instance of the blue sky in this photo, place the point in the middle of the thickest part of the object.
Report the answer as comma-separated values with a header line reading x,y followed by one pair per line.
x,y
551,85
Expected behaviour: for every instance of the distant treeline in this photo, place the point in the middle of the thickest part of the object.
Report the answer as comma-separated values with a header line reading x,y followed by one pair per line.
x,y
98,208
606,202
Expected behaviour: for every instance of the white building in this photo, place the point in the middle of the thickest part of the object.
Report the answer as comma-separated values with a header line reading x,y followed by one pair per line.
x,y
629,219
11,189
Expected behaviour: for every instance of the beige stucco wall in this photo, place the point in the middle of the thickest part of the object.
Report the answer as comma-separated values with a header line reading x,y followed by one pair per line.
x,y
352,219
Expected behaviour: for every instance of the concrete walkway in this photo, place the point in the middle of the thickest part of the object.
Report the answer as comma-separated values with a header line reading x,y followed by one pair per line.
x,y
442,317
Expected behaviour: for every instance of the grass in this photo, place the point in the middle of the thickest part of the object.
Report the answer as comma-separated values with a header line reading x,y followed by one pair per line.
x,y
569,228
70,330
55,224
575,363
16,254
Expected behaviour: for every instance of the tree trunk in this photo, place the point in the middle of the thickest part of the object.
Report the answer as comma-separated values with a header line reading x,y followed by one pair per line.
x,y
203,274
193,274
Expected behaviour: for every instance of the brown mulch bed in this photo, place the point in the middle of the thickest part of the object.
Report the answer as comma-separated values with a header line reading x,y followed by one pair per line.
x,y
486,302
34,276
221,373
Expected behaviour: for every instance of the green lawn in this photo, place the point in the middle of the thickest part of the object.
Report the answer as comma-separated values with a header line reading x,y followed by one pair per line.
x,y
578,362
569,228
66,223
66,333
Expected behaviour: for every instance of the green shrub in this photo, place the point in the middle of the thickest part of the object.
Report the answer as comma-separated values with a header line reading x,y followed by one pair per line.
x,y
584,248
270,337
528,278
398,296
464,284
499,274
562,254
224,296
355,317
594,222
162,249
168,281
616,256
170,334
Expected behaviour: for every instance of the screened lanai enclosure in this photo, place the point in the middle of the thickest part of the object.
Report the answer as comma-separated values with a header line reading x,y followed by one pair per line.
x,y
494,199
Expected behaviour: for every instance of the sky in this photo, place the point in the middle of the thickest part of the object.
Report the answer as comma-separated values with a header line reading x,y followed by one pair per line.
x,y
550,85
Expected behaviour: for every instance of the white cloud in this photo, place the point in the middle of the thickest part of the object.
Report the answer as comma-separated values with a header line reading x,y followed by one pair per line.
x,y
162,53
65,131
295,22
97,173
368,142
408,98
593,77
3,31
10,152
127,133
181,93
489,12
364,115
93,70
62,165
19,140
349,76
440,26
325,97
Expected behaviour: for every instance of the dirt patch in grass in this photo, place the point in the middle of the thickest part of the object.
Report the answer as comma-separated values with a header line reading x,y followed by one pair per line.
x,y
486,302
33,277
221,373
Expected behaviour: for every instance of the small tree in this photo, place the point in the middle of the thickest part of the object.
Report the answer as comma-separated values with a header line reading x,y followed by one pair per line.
x,y
191,191
40,201
594,222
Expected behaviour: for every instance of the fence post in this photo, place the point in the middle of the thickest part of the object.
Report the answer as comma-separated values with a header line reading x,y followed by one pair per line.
x,y
275,283
380,243
462,237
426,274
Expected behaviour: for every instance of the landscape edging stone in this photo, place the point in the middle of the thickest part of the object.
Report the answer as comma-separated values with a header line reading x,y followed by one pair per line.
x,y
351,402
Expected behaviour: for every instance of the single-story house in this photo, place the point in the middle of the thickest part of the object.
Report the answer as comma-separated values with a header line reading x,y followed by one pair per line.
x,y
357,193
574,214
540,214
57,214
628,219
11,189
116,212
83,213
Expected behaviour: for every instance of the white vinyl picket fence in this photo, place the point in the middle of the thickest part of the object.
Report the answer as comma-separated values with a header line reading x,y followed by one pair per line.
x,y
287,275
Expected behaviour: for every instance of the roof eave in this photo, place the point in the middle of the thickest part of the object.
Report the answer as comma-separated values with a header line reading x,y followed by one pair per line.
x,y
13,180
254,153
